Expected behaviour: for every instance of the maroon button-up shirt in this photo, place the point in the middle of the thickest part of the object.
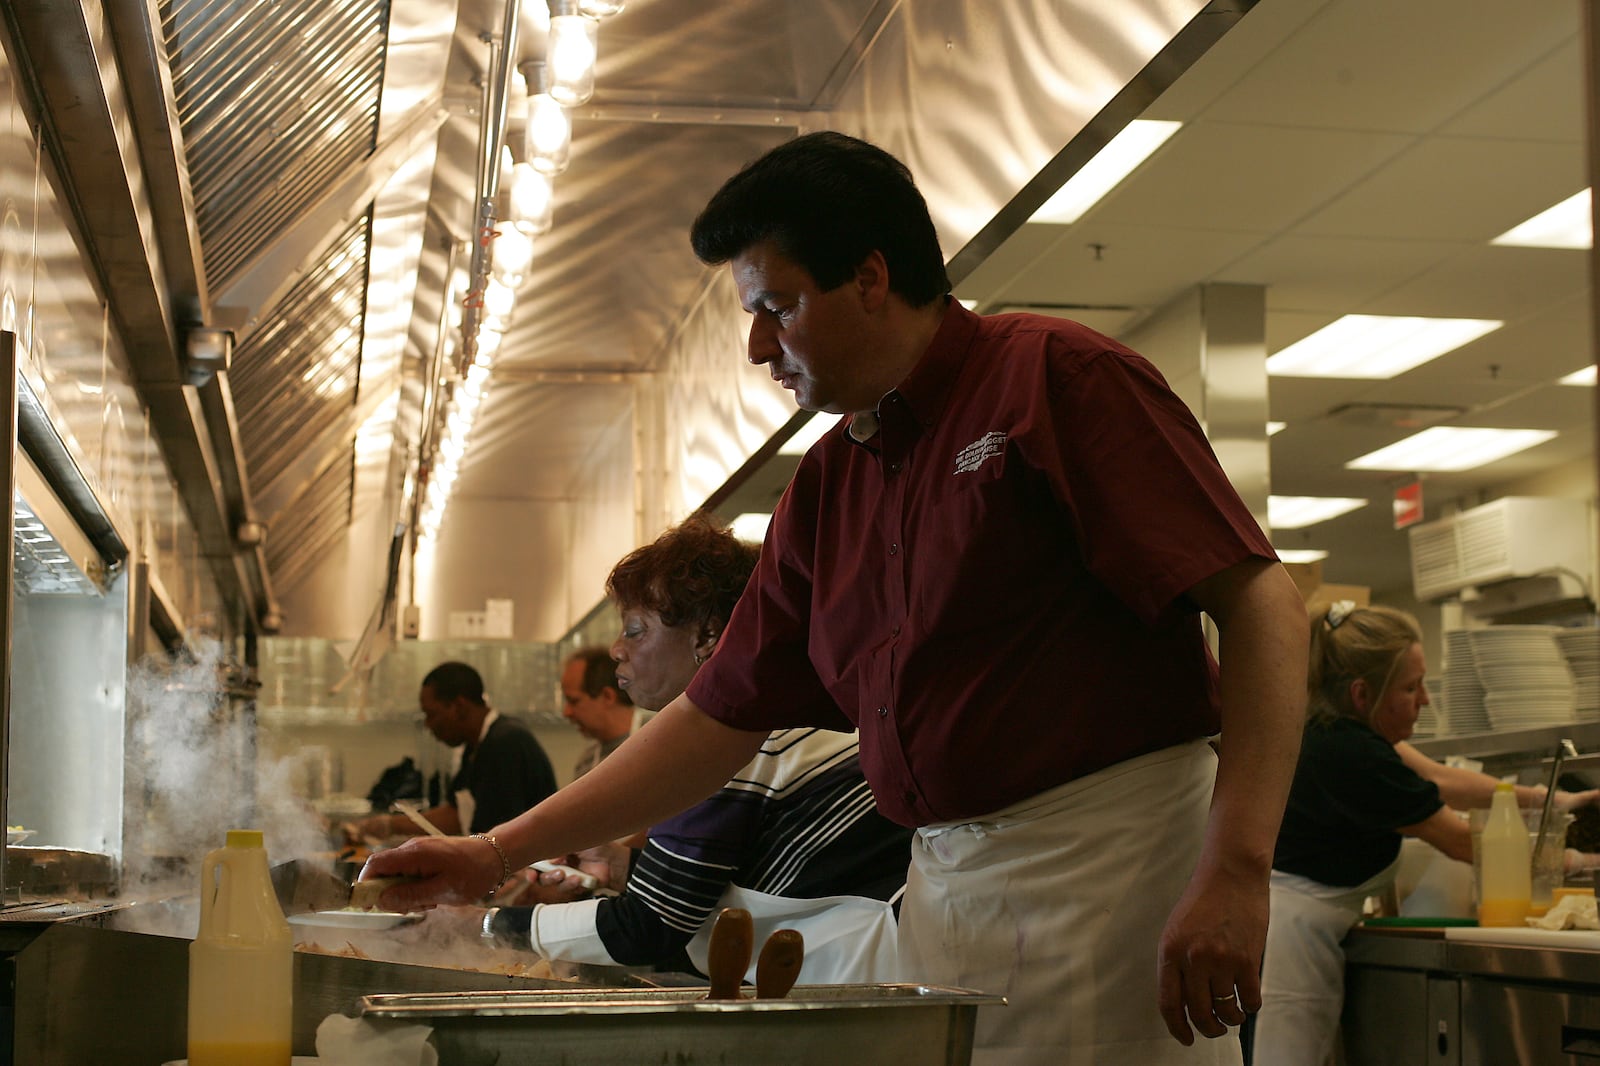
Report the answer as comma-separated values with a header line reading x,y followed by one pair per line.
x,y
992,588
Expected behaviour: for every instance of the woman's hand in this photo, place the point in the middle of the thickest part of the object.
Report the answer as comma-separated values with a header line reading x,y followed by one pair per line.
x,y
445,869
1567,801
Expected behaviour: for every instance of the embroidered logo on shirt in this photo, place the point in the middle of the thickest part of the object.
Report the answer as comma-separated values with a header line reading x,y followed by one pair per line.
x,y
987,446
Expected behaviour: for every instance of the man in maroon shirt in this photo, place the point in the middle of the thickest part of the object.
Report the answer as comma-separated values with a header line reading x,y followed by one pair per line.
x,y
994,569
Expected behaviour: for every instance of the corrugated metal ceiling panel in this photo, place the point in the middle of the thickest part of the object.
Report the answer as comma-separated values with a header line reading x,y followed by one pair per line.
x,y
312,525
296,378
311,71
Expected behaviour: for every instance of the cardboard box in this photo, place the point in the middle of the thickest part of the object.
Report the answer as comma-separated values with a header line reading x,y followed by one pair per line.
x,y
1307,577
1323,595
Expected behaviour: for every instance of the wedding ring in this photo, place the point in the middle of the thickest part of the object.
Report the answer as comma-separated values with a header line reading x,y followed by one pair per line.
x,y
1222,999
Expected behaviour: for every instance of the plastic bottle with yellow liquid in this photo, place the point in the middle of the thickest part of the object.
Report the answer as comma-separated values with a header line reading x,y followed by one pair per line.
x,y
241,964
1506,885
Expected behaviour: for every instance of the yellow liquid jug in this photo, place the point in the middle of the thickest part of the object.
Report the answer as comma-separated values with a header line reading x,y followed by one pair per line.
x,y
1507,882
241,964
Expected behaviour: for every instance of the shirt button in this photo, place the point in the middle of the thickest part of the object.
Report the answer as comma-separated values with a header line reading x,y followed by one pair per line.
x,y
883,712
894,549
894,468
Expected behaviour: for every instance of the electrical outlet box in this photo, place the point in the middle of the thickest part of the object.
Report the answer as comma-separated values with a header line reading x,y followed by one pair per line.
x,y
411,621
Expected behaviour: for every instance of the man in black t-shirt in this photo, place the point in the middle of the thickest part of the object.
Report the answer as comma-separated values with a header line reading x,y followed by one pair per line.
x,y
503,772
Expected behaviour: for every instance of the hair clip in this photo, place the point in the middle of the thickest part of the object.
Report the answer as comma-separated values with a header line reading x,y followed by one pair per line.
x,y
1338,611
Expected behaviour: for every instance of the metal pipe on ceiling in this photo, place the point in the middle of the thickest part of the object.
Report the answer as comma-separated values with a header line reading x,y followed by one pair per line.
x,y
491,139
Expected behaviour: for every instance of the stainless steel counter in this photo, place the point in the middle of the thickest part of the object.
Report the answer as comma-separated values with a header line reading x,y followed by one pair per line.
x,y
1430,951
1413,997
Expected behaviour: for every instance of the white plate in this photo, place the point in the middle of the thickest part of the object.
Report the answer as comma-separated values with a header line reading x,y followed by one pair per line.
x,y
353,919
17,836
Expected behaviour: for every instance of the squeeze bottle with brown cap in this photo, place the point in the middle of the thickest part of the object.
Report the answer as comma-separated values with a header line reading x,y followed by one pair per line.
x,y
1507,884
241,964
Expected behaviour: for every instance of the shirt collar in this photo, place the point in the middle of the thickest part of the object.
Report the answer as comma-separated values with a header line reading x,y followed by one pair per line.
x,y
488,720
927,388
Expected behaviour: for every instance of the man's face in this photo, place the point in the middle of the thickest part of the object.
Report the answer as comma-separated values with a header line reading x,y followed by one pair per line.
x,y
810,341
595,716
445,720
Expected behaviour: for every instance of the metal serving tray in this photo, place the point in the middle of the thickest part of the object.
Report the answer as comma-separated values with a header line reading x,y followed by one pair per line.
x,y
842,1025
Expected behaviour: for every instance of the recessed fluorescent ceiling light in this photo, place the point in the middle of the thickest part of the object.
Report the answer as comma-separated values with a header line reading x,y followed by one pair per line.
x,y
1102,173
1586,376
1274,428
1301,555
1375,346
1297,512
808,434
1566,225
751,526
1451,448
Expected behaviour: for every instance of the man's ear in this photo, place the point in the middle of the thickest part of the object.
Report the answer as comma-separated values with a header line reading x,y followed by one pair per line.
x,y
872,280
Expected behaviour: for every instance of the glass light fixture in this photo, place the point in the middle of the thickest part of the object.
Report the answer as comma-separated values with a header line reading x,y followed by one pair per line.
x,y
488,346
1586,376
1297,512
499,299
600,9
1566,225
532,199
1450,448
1301,555
750,526
808,434
1375,347
511,254
573,46
547,138
1120,156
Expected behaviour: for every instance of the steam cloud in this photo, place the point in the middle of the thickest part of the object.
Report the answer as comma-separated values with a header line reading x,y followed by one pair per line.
x,y
193,753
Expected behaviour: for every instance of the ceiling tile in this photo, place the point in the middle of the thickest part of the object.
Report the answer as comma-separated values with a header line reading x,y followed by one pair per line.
x,y
1402,67
1454,188
1332,274
1226,175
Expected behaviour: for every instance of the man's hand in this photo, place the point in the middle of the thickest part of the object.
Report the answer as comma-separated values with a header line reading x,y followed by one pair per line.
x,y
1209,964
448,869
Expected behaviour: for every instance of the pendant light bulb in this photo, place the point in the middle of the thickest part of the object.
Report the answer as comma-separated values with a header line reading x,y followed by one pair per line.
x,y
512,254
573,44
499,299
549,134
600,9
532,199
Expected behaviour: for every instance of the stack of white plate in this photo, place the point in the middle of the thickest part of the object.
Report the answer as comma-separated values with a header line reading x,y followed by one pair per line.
x,y
1464,710
1581,647
1525,677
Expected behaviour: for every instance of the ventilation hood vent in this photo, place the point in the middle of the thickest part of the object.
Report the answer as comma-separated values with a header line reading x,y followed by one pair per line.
x,y
1511,538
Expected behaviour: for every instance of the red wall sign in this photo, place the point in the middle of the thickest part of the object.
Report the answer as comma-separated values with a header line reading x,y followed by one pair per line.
x,y
1408,505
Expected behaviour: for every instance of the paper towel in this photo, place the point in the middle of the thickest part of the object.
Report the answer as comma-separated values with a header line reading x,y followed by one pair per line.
x,y
345,1041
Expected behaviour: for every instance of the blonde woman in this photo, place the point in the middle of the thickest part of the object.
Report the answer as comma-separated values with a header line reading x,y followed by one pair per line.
x,y
1358,789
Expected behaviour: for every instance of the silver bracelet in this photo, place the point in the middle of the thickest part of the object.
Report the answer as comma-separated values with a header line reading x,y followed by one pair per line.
x,y
505,863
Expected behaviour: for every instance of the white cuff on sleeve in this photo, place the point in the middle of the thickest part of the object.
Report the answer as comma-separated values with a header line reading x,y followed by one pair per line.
x,y
567,931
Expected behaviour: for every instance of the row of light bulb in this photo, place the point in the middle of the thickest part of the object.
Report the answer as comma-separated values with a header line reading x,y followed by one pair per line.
x,y
565,79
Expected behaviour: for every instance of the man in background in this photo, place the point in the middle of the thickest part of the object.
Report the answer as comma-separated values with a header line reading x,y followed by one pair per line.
x,y
593,701
502,771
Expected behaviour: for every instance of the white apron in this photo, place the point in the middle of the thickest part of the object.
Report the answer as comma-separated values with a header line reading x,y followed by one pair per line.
x,y
848,939
1058,903
1302,976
